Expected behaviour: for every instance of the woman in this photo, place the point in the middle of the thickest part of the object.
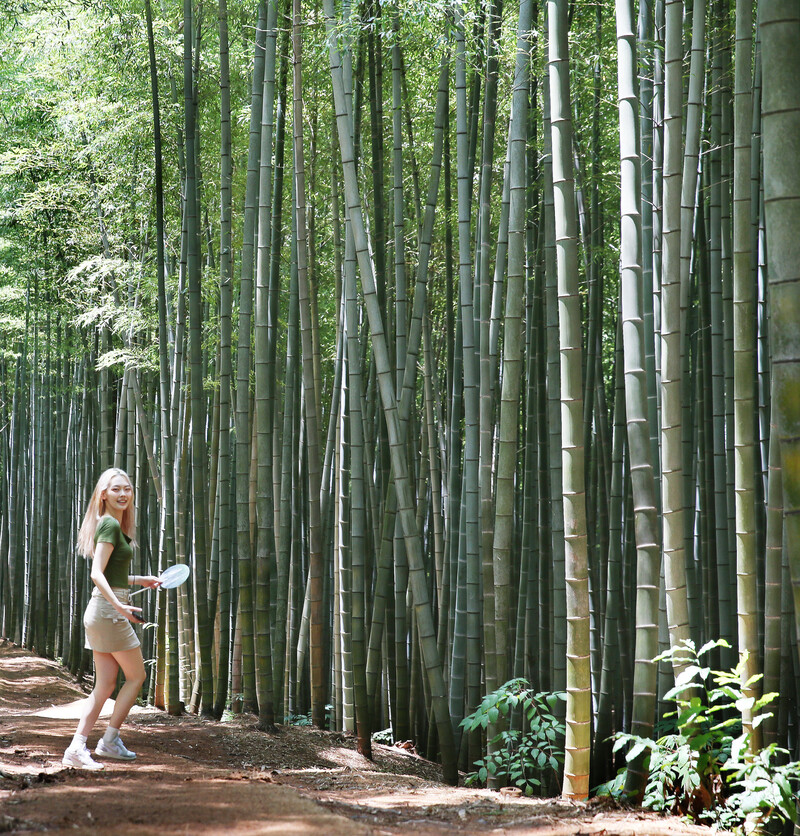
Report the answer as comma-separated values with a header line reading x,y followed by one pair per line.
x,y
105,537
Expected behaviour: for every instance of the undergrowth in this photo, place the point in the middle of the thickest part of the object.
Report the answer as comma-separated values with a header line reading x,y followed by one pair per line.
x,y
517,757
703,768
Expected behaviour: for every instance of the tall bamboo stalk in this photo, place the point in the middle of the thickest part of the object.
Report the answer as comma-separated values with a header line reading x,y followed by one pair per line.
x,y
577,746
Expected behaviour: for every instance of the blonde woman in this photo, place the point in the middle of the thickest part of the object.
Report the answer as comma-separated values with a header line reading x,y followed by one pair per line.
x,y
106,537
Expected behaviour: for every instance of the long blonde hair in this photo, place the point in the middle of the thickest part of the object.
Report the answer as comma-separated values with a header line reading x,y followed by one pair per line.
x,y
97,508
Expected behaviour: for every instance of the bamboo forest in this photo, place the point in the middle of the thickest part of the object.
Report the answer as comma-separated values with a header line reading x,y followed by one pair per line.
x,y
453,344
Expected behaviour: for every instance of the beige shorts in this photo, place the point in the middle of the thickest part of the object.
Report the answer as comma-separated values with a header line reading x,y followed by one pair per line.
x,y
107,630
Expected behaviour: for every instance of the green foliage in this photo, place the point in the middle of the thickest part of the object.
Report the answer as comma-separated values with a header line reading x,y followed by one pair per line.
x,y
519,758
766,789
703,768
384,736
305,719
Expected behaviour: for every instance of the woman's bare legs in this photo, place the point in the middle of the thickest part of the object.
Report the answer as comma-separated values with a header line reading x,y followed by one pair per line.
x,y
132,665
105,678
106,666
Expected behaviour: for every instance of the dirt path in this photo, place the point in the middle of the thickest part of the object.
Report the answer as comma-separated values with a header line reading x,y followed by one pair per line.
x,y
194,777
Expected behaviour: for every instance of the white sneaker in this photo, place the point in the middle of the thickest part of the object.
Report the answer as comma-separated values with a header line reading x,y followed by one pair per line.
x,y
115,749
80,759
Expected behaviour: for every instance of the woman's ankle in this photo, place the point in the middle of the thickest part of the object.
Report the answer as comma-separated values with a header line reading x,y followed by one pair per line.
x,y
78,741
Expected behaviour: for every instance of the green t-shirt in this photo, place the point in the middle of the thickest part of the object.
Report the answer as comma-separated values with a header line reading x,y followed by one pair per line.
x,y
109,531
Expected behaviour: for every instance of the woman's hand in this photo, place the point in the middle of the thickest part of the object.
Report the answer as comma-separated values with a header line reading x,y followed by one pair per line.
x,y
131,613
150,581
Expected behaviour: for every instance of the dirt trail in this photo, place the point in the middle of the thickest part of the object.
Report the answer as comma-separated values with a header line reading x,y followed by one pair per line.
x,y
195,777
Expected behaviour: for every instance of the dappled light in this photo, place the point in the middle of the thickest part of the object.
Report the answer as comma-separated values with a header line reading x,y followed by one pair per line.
x,y
201,777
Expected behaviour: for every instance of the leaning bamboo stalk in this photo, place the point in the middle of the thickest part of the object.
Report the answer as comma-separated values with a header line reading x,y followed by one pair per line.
x,y
418,583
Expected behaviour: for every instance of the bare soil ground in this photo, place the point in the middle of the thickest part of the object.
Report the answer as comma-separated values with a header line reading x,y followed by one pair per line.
x,y
197,777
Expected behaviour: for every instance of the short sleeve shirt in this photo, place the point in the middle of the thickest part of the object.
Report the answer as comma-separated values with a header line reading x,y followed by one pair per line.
x,y
109,531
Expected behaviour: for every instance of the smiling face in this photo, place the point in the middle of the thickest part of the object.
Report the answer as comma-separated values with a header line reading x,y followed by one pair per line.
x,y
117,496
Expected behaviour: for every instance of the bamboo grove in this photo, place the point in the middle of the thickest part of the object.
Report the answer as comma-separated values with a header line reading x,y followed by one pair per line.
x,y
449,342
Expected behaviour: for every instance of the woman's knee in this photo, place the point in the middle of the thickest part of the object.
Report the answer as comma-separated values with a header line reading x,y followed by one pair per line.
x,y
135,674
132,665
138,677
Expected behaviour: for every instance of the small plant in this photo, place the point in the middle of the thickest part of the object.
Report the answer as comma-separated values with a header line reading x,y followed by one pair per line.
x,y
385,736
519,758
306,719
702,768
765,789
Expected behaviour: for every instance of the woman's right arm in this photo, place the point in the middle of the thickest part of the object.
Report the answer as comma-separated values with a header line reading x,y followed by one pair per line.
x,y
102,553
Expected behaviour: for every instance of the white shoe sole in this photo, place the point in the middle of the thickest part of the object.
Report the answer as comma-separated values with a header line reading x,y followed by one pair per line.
x,y
89,768
105,754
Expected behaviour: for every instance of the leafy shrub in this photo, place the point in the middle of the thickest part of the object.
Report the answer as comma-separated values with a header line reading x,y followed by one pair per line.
x,y
305,719
703,768
385,736
765,787
519,758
